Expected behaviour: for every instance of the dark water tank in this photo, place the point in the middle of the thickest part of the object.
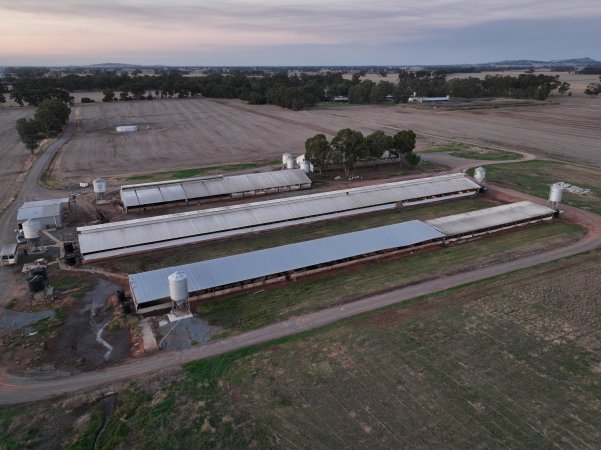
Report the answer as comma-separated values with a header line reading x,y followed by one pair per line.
x,y
40,270
121,296
70,260
68,246
35,284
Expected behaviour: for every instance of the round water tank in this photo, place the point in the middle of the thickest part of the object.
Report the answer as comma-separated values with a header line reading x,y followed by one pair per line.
x,y
31,229
285,158
290,163
68,246
99,185
121,296
556,193
480,174
35,284
40,270
178,286
300,159
306,167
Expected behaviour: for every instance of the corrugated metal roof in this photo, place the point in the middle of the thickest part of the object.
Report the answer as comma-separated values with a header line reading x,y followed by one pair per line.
x,y
199,187
38,212
489,217
54,201
153,285
41,208
171,227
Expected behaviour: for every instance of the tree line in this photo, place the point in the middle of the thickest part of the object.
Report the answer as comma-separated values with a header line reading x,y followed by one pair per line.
x,y
349,147
288,91
50,117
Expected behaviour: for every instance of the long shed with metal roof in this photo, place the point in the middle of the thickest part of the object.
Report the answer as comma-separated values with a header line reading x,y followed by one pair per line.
x,y
150,290
234,272
491,219
139,235
212,187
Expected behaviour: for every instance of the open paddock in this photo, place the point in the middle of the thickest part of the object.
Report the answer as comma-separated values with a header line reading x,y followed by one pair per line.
x,y
177,133
13,154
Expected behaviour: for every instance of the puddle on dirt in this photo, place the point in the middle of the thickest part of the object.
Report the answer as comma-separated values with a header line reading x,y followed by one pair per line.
x,y
13,320
83,343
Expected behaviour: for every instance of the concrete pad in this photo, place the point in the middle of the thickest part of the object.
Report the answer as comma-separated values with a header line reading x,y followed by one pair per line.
x,y
150,342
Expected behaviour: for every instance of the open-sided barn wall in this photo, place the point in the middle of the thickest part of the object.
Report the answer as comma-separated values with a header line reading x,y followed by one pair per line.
x,y
199,188
107,240
148,287
490,219
225,275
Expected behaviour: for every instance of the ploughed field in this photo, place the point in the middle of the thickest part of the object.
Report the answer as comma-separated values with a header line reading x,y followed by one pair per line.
x,y
13,154
175,134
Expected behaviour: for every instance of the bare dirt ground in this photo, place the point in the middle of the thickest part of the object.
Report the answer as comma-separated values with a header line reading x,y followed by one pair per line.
x,y
176,134
14,157
83,333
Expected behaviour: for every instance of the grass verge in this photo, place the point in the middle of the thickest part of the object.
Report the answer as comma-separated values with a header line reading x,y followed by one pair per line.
x,y
247,311
194,172
465,151
535,178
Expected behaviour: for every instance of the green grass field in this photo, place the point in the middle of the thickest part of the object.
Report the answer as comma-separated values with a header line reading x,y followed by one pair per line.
x,y
467,152
535,177
512,361
197,171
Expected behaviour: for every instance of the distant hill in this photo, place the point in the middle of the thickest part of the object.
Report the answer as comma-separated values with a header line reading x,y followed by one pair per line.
x,y
113,65
532,62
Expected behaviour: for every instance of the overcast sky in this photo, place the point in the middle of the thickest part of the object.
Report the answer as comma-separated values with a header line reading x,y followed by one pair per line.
x,y
295,32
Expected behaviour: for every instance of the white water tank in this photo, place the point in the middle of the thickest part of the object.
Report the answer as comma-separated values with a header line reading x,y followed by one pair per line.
x,y
556,193
300,159
306,167
480,174
285,158
178,286
127,128
99,185
31,229
290,163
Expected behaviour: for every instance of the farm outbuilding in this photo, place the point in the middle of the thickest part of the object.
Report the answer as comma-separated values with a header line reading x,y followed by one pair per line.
x,y
491,219
279,263
48,212
139,235
150,290
212,187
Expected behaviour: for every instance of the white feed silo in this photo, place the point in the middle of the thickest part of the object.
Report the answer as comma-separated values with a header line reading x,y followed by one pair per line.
x,y
285,158
99,185
306,167
31,229
556,194
290,163
300,159
178,287
480,175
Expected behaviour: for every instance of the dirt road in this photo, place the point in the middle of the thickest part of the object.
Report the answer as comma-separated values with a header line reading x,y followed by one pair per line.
x,y
18,390
30,189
